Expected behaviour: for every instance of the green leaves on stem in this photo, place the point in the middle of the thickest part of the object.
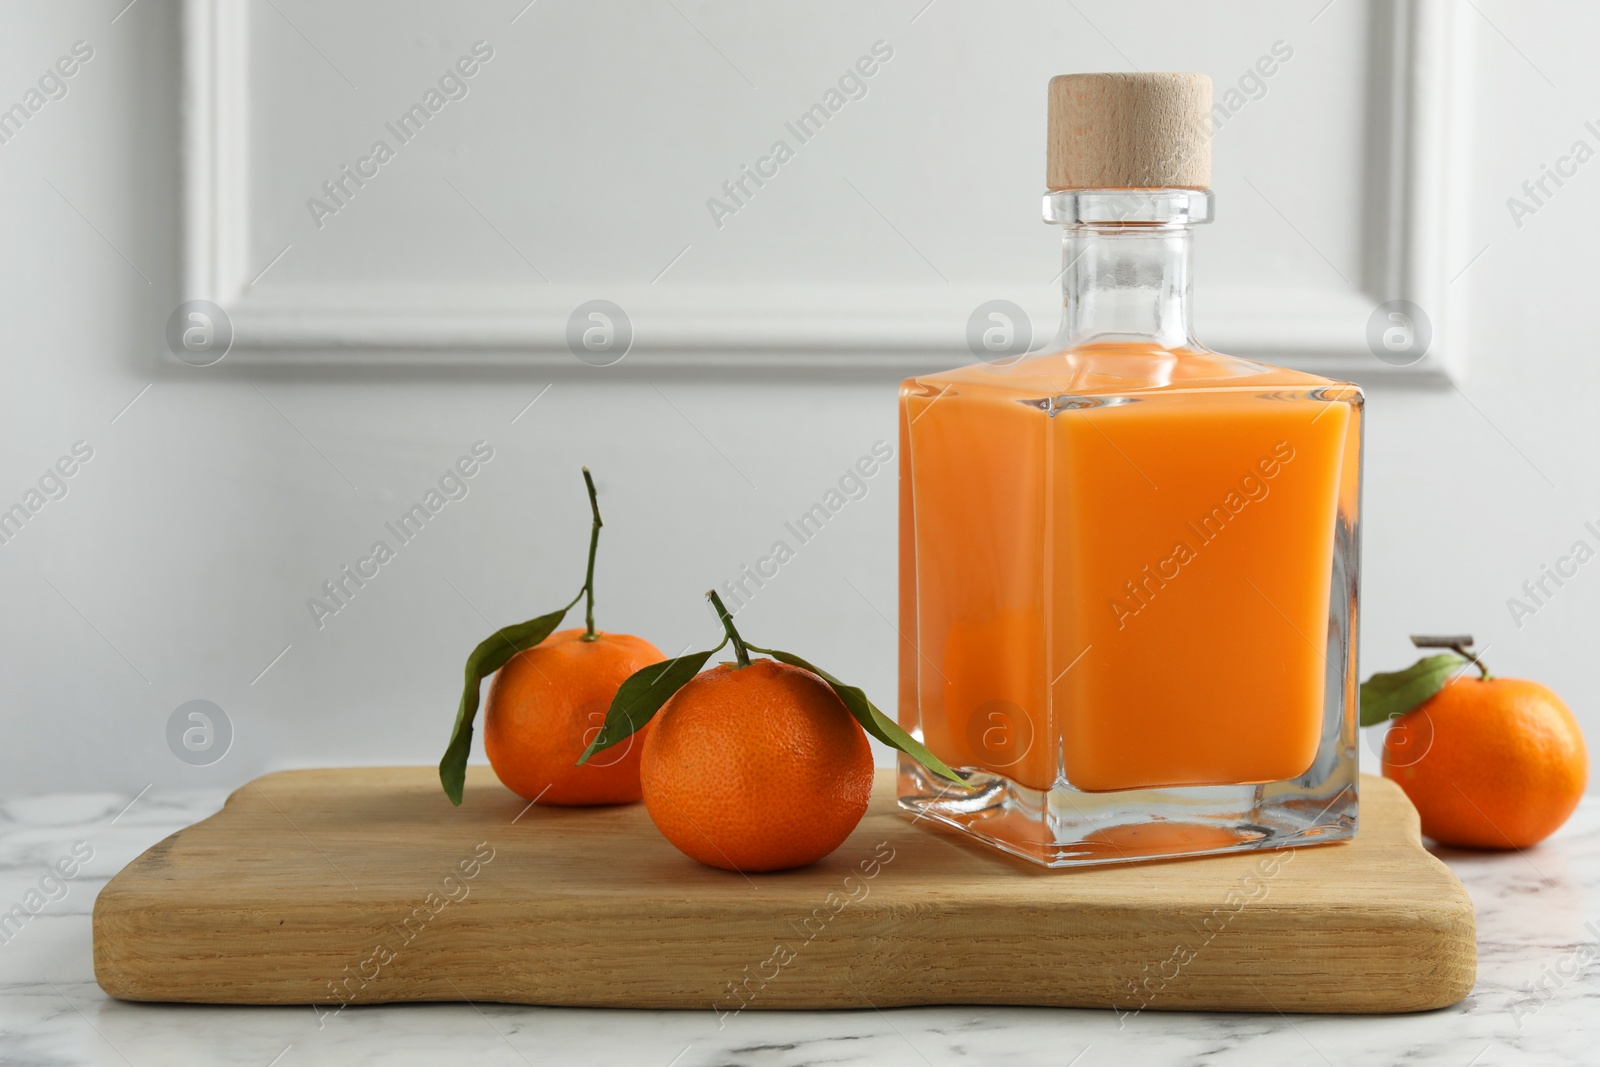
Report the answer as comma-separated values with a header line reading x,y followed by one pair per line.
x,y
496,650
492,653
875,722
647,690
1389,695
642,695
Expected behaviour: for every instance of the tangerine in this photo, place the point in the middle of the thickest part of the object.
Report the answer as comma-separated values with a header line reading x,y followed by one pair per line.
x,y
547,704
1489,762
756,768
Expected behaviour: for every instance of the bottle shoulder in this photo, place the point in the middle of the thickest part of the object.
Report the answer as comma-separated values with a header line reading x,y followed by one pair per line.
x,y
1125,370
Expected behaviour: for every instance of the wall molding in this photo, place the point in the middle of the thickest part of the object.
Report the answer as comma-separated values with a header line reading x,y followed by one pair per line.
x,y
1417,175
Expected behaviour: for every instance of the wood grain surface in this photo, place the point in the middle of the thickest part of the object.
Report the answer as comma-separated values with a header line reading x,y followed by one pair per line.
x,y
366,886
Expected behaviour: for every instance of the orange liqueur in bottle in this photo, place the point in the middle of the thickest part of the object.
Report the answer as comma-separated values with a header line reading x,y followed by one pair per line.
x,y
1128,564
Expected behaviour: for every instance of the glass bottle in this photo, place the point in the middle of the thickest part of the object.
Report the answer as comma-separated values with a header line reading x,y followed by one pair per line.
x,y
1129,565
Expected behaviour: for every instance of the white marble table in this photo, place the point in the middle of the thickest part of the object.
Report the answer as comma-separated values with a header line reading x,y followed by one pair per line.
x,y
1538,921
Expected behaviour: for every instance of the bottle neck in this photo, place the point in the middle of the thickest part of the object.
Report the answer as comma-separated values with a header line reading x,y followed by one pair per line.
x,y
1127,265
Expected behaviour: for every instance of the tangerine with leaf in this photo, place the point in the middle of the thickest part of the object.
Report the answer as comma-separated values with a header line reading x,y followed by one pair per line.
x,y
754,765
1493,763
548,699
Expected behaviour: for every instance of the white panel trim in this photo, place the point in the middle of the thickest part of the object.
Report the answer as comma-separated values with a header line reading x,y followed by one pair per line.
x,y
890,327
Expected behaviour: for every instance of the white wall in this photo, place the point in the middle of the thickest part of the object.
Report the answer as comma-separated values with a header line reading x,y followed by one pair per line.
x,y
594,150
179,563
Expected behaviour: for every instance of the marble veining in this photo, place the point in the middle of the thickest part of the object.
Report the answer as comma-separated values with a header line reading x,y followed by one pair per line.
x,y
1538,989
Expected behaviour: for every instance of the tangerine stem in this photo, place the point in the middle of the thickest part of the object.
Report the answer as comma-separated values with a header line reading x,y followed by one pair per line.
x,y
594,543
741,652
1460,644
1472,658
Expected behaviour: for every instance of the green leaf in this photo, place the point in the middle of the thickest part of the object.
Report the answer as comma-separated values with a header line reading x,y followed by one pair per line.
x,y
641,696
492,653
1390,695
875,722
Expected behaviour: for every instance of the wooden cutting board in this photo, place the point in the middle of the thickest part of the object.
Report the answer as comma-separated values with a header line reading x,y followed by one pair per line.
x,y
366,886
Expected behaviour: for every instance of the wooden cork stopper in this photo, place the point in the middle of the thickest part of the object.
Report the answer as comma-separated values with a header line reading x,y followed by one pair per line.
x,y
1129,131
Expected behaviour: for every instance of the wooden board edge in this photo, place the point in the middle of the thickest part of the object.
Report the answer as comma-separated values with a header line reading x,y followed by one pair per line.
x,y
1445,938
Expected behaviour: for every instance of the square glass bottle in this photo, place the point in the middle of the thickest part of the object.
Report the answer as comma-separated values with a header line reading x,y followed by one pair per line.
x,y
1129,566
